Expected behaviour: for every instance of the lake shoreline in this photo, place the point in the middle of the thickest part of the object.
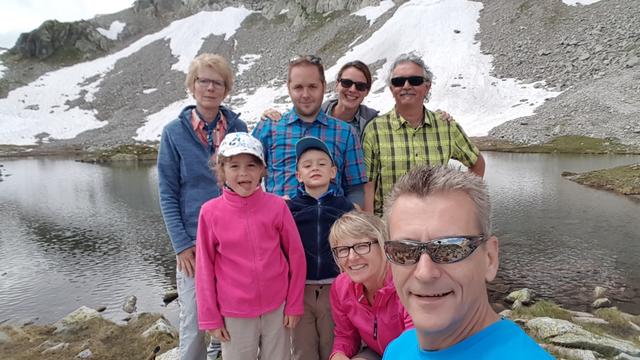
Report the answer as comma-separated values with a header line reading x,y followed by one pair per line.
x,y
605,179
84,333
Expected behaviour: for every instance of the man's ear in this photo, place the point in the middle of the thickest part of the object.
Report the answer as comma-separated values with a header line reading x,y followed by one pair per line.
x,y
492,258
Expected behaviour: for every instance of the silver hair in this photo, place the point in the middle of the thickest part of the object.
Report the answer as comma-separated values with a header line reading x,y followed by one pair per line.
x,y
414,58
423,181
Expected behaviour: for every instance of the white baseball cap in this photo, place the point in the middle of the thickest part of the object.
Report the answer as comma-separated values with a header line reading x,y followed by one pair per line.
x,y
241,143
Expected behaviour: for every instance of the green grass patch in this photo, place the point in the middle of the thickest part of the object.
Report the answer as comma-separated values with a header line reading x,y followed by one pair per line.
x,y
564,145
542,308
131,152
618,323
622,179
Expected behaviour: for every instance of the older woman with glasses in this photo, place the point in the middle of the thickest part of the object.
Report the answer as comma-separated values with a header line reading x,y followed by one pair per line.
x,y
364,303
186,182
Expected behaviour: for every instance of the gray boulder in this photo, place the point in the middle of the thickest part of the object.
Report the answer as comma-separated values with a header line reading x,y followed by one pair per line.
x,y
172,354
589,320
601,303
161,326
599,292
567,334
624,356
546,327
129,305
606,345
56,348
4,337
576,354
84,354
524,295
75,320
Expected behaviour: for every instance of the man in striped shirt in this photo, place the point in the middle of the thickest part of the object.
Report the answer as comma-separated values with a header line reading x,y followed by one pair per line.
x,y
410,134
307,85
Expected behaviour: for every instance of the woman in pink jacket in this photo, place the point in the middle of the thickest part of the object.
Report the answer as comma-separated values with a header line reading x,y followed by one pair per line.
x,y
364,303
250,264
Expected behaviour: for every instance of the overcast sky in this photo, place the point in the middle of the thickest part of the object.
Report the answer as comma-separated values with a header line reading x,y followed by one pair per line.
x,y
18,16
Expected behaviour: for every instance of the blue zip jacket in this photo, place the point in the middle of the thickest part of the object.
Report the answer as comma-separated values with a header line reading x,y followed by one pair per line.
x,y
314,218
185,180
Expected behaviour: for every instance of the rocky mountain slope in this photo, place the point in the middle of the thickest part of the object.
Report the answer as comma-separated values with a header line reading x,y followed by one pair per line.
x,y
590,53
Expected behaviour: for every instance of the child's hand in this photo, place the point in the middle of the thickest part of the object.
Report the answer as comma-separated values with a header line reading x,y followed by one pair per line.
x,y
290,321
220,334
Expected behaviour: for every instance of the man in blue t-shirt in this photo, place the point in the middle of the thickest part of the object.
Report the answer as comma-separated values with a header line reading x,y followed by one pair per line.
x,y
442,254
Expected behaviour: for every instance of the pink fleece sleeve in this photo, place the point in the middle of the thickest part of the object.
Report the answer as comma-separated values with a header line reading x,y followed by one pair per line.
x,y
292,246
346,338
209,316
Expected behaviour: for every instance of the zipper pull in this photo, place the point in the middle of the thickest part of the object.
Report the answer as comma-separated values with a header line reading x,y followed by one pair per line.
x,y
375,328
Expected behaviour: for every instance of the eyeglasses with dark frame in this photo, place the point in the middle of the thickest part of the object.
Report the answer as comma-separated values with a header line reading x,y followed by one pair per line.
x,y
205,83
362,248
443,250
305,58
347,83
399,81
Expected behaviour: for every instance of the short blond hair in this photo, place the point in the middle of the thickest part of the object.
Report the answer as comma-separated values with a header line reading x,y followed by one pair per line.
x,y
424,180
357,224
215,62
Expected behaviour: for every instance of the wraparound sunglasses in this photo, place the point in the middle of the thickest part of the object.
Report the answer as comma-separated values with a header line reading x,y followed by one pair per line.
x,y
444,250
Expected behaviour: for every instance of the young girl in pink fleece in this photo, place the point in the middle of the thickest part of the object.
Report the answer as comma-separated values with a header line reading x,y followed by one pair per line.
x,y
250,264
364,304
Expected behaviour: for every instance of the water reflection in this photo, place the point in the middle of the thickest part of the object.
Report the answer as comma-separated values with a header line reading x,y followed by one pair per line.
x,y
76,234
562,238
80,234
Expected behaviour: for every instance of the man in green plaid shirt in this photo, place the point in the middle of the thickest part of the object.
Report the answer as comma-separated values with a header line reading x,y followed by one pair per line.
x,y
411,135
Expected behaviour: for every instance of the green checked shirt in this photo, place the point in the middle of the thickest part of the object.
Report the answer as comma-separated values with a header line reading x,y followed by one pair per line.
x,y
392,147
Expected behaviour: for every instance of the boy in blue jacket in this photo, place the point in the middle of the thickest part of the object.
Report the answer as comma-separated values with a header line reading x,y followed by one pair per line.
x,y
315,208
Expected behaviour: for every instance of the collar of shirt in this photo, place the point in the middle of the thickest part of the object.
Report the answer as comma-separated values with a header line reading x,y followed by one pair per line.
x,y
198,127
330,192
292,116
397,121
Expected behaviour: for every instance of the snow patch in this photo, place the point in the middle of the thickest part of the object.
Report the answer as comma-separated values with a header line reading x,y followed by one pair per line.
x,y
463,83
40,107
246,62
374,12
152,129
149,91
283,11
114,30
581,2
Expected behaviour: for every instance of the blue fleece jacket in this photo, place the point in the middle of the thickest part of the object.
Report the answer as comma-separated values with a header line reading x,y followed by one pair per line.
x,y
314,218
184,177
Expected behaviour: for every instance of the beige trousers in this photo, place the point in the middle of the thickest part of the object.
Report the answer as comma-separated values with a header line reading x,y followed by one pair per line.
x,y
313,337
263,337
